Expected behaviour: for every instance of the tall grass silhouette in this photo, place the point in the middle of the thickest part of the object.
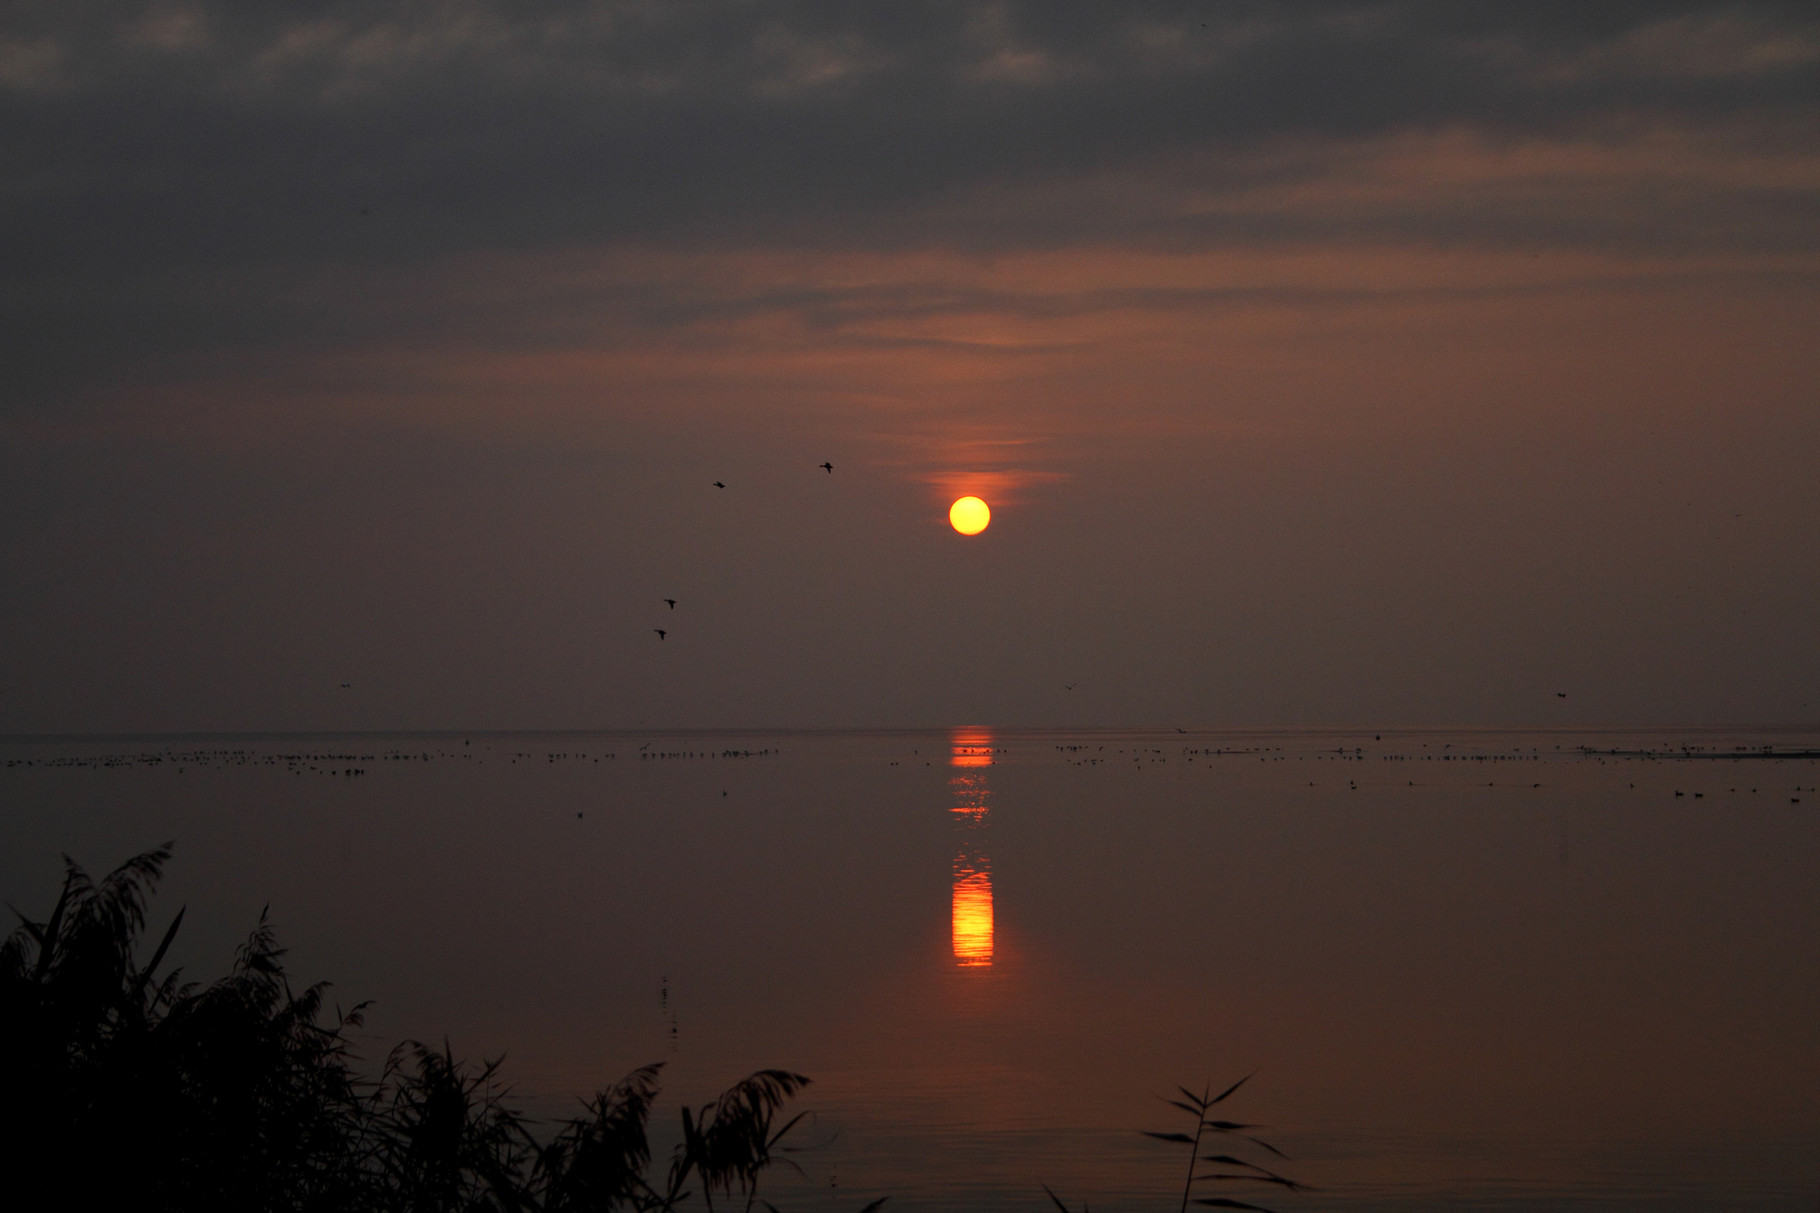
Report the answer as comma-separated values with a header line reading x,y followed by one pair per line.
x,y
130,1089
1213,1168
242,1093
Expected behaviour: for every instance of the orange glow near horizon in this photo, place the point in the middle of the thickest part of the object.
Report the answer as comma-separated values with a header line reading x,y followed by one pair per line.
x,y
970,750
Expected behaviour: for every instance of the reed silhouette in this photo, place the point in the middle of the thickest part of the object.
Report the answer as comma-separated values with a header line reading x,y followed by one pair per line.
x,y
127,1088
1225,1168
130,1089
239,1094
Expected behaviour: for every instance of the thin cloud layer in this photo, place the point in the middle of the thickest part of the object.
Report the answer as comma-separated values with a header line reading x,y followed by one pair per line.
x,y
227,130
189,177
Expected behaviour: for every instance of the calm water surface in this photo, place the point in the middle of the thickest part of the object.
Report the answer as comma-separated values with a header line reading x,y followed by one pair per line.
x,y
1469,970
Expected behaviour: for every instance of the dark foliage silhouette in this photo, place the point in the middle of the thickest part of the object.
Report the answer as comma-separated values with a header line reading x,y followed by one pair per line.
x,y
128,1088
598,1161
125,1089
240,1094
443,1138
730,1142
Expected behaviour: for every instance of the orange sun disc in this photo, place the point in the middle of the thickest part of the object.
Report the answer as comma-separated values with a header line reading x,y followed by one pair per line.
x,y
969,515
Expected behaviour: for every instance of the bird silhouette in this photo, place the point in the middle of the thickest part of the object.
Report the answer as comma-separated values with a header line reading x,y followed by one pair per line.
x,y
1069,686
672,603
1560,694
347,686
660,632
828,466
719,485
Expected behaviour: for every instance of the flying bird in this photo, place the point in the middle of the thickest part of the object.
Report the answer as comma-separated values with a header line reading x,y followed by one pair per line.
x,y
347,686
1560,694
672,603
719,485
1069,686
660,632
828,466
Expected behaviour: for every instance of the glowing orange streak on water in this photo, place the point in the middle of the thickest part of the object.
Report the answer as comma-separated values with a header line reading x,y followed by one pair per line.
x,y
970,797
971,751
970,748
972,917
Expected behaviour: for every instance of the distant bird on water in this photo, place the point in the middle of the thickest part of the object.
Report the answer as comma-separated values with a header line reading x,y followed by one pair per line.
x,y
719,485
660,632
828,466
672,603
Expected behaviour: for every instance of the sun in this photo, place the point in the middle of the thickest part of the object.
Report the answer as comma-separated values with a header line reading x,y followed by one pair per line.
x,y
969,515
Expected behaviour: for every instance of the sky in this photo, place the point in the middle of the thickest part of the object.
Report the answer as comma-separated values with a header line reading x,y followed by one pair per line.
x,y
1324,364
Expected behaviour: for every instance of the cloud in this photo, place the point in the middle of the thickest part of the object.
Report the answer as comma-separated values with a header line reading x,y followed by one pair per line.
x,y
29,65
187,179
171,30
1730,43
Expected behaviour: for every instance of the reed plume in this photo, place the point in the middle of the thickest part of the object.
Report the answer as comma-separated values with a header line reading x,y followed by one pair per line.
x,y
129,1088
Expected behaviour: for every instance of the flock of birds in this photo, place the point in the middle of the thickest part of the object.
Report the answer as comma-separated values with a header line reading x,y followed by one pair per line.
x,y
825,465
828,467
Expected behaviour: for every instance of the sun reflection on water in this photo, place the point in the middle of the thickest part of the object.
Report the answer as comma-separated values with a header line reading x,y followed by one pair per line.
x,y
971,754
972,918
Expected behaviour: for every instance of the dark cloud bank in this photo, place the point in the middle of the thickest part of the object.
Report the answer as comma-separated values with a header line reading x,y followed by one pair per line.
x,y
174,171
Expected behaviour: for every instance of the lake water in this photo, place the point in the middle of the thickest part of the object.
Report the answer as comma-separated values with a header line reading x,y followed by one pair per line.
x,y
1469,970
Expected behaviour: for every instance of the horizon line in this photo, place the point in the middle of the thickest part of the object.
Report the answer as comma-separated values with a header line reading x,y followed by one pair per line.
x,y
904,730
